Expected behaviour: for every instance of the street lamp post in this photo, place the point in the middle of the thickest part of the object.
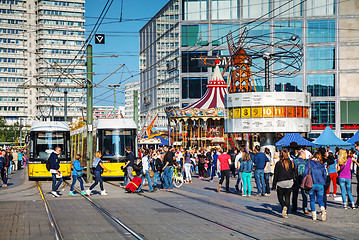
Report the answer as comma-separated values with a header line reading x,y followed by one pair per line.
x,y
114,97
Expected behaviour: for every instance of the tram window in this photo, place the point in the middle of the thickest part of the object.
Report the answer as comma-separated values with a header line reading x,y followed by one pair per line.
x,y
46,142
115,141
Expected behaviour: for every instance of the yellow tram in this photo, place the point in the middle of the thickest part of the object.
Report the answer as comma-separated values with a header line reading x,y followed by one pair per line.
x,y
111,136
44,138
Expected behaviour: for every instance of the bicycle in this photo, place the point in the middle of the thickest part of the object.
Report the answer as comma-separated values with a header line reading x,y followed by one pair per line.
x,y
177,177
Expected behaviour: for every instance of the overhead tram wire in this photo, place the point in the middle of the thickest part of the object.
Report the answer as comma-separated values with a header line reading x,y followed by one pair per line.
x,y
264,16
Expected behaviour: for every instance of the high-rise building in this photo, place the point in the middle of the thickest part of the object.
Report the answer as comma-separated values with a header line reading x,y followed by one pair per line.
x,y
39,41
129,98
329,34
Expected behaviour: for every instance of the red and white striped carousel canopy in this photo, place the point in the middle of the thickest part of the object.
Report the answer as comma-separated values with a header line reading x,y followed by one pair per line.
x,y
214,96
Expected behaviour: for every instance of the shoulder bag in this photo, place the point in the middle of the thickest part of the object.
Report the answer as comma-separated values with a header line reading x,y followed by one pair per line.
x,y
308,181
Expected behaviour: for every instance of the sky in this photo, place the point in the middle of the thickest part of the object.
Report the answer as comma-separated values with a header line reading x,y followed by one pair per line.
x,y
121,38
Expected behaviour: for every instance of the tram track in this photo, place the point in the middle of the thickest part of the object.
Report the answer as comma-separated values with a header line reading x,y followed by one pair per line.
x,y
117,221
194,214
281,224
288,225
55,228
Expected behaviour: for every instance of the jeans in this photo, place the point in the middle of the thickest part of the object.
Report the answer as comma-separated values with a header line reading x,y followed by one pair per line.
x,y
147,176
98,179
266,180
156,178
214,170
74,179
333,179
167,177
225,174
54,179
247,187
346,188
239,180
316,192
357,203
128,175
283,195
10,168
3,175
259,178
296,187
187,169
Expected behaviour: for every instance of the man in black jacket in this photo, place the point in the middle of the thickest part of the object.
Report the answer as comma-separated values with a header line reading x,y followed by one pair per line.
x,y
5,163
54,170
168,161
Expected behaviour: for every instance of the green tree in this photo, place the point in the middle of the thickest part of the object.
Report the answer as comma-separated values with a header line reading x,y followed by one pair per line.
x,y
9,133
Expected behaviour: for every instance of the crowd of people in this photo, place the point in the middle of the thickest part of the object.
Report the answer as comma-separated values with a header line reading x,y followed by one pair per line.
x,y
288,172
11,159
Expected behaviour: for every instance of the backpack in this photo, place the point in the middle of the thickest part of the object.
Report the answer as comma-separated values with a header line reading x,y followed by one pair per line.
x,y
48,166
300,166
1,161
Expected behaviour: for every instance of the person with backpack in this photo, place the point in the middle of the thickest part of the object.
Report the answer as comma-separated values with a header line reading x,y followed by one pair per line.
x,y
333,174
246,170
98,170
54,165
319,176
77,175
299,163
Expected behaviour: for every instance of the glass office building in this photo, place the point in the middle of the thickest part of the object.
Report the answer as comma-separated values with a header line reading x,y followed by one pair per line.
x,y
328,30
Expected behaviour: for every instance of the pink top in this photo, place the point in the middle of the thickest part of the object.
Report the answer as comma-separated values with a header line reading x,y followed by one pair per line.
x,y
346,173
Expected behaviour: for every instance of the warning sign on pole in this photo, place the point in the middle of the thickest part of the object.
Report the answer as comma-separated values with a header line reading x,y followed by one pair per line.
x,y
99,38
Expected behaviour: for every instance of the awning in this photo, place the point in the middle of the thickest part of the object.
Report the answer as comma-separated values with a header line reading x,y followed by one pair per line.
x,y
328,138
293,138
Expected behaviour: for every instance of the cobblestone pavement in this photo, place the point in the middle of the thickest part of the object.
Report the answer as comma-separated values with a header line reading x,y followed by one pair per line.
x,y
195,211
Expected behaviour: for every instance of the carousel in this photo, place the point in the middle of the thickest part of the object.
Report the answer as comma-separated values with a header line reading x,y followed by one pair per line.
x,y
201,124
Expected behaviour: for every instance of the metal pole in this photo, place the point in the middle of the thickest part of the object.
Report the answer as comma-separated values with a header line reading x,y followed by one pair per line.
x,y
266,57
114,103
135,106
89,86
65,105
20,132
53,113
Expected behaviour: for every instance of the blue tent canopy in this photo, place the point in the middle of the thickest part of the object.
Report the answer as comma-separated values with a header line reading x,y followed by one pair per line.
x,y
355,138
293,137
164,141
328,138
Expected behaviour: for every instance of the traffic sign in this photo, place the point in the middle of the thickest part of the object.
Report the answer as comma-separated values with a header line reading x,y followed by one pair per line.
x,y
99,38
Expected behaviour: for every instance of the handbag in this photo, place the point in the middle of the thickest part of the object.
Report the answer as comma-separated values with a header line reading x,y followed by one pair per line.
x,y
308,181
79,173
152,173
340,170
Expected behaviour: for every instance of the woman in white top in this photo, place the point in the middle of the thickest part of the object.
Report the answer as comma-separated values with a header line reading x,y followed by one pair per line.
x,y
146,171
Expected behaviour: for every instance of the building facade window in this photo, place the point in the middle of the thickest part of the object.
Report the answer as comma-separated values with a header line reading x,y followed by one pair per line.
x,y
294,84
282,29
224,9
320,8
194,35
285,8
349,113
321,58
195,9
320,85
219,32
320,31
255,8
193,87
189,65
323,112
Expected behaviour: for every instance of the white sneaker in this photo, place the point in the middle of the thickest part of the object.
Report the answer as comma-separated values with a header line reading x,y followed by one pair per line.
x,y
55,194
284,212
324,214
314,215
88,192
103,193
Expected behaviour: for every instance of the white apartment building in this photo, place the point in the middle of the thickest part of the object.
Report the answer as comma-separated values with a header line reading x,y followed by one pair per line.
x,y
39,40
129,98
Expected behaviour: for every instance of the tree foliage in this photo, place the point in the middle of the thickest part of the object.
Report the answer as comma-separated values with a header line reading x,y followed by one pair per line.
x,y
9,133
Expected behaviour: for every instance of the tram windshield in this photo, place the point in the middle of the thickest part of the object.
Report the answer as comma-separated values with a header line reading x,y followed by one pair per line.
x,y
112,143
46,142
